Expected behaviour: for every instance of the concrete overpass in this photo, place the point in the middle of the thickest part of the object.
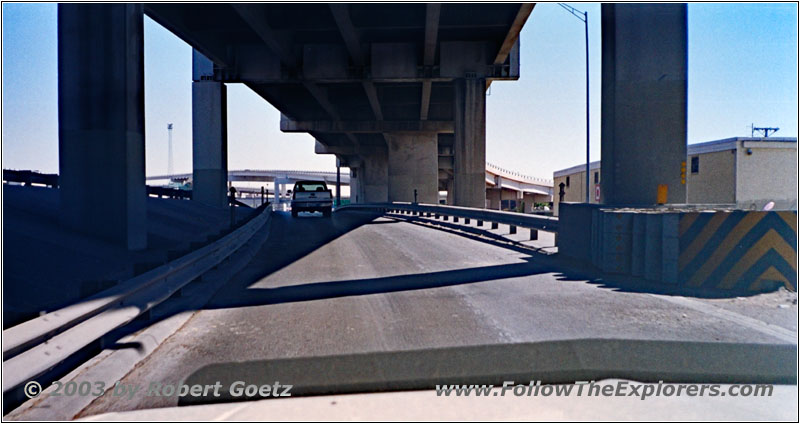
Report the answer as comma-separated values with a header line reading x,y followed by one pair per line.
x,y
500,182
507,185
395,91
265,175
383,87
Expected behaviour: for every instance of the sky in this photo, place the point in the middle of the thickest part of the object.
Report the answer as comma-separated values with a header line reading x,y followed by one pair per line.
x,y
742,70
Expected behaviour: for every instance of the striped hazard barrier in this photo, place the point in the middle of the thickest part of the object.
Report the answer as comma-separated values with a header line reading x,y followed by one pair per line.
x,y
738,250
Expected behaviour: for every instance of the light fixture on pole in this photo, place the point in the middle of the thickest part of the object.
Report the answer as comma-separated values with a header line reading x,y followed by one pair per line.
x,y
584,16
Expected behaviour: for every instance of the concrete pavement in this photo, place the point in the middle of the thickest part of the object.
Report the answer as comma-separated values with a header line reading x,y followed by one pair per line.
x,y
352,284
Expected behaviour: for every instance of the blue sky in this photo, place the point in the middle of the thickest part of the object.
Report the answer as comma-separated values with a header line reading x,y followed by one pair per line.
x,y
742,70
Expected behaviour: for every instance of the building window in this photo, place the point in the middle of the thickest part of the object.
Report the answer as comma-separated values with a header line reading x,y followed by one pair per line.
x,y
596,177
567,181
695,164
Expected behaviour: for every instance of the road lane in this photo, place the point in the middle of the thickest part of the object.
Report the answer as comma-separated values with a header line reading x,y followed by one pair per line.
x,y
350,284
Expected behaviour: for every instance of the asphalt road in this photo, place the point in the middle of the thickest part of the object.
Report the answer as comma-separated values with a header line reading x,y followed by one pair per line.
x,y
351,284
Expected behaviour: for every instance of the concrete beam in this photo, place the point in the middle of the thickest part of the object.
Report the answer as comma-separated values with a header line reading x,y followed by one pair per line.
x,y
323,149
254,15
101,121
324,61
372,95
255,18
432,12
341,14
413,165
288,125
469,188
209,143
644,98
425,102
524,12
394,60
458,59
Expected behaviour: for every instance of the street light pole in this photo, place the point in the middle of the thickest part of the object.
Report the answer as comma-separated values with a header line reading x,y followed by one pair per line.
x,y
584,16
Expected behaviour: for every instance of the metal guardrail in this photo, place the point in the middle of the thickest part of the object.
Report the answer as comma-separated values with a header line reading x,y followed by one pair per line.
x,y
174,193
51,180
34,347
534,222
30,177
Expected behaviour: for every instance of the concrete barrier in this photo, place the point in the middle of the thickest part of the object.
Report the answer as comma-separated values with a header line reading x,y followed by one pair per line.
x,y
743,251
35,347
739,250
573,239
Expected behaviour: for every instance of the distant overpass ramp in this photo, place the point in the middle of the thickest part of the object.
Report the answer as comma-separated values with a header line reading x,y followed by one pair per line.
x,y
267,175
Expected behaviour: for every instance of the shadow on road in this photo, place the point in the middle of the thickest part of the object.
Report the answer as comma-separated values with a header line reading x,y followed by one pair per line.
x,y
291,240
367,286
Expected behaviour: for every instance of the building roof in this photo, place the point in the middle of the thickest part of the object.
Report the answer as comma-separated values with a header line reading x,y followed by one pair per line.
x,y
575,169
732,143
693,149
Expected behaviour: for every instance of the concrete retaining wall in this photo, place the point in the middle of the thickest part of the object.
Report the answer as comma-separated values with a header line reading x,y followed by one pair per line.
x,y
728,250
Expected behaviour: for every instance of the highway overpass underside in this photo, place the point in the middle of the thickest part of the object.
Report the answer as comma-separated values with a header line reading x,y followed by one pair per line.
x,y
395,91
375,84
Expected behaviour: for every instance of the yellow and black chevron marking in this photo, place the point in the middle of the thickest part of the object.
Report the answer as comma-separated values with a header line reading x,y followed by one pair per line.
x,y
738,250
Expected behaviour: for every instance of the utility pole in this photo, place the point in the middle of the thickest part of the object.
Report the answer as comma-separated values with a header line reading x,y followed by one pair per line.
x,y
584,17
169,153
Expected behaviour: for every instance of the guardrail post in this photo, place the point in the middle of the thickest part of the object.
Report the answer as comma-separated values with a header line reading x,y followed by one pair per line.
x,y
512,229
494,225
232,199
534,234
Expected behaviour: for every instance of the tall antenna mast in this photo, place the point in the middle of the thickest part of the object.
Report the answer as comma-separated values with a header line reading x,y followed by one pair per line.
x,y
169,153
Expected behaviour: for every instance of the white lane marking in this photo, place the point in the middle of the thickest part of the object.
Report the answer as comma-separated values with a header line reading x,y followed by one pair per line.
x,y
745,321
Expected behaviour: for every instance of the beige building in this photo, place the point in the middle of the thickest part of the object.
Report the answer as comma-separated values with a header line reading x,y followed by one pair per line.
x,y
743,172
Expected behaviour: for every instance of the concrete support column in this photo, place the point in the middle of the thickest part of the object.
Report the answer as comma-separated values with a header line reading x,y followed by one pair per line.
x,y
101,121
470,143
450,193
355,185
374,175
338,183
644,74
209,143
413,165
280,188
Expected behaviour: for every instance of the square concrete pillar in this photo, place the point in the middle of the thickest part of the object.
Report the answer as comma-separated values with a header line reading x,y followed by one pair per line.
x,y
374,174
450,193
209,143
413,165
101,121
355,185
644,74
469,165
